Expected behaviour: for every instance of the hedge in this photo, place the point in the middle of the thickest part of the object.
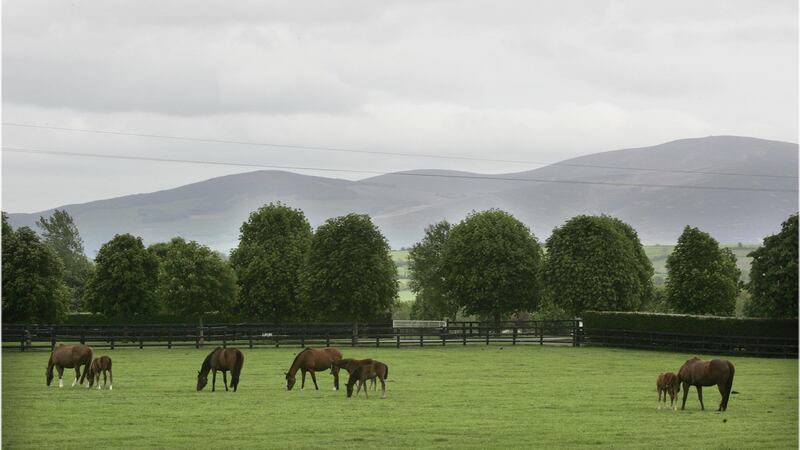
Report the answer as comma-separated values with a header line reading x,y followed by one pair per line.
x,y
153,319
689,324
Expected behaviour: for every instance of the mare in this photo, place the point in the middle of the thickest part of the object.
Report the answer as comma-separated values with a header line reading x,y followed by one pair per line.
x,y
223,359
69,356
381,369
312,360
667,383
101,364
361,374
699,373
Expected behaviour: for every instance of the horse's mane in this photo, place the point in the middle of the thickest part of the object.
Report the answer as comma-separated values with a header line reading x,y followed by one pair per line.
x,y
298,356
207,361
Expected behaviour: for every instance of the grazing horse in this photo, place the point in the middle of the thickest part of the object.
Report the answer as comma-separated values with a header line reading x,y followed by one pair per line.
x,y
361,374
312,360
223,359
699,373
69,356
667,383
101,364
381,369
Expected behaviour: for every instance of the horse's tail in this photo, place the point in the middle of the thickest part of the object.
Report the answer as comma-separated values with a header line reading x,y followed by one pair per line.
x,y
728,385
237,369
49,373
386,372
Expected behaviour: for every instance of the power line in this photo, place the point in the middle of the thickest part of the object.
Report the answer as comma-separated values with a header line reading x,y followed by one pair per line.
x,y
372,152
473,177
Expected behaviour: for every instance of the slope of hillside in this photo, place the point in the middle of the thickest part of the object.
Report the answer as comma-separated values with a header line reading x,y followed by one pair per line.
x,y
403,204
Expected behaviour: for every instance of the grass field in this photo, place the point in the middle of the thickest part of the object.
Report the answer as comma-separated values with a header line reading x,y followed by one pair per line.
x,y
465,397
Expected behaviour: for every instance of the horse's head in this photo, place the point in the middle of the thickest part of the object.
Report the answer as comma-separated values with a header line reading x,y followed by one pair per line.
x,y
90,375
290,380
49,374
202,381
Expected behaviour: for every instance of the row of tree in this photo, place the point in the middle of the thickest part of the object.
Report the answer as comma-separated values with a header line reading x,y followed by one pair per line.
x,y
489,265
492,266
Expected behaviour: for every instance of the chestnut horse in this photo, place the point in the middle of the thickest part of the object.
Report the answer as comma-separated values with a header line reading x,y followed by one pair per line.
x,y
667,383
361,374
101,364
381,369
223,359
699,373
69,356
312,360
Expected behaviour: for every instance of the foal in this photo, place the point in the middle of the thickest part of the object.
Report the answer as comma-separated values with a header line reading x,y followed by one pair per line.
x,y
361,374
351,365
101,364
667,383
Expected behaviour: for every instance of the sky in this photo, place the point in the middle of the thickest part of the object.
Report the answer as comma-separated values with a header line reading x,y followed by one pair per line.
x,y
535,81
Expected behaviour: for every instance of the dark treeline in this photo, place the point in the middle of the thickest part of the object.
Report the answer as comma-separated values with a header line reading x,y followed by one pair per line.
x,y
489,266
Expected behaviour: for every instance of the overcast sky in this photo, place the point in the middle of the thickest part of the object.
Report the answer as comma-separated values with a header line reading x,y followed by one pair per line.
x,y
514,80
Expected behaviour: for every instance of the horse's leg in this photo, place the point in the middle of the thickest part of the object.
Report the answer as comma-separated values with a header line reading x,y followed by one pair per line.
x,y
314,379
86,365
659,398
77,375
213,379
225,379
303,382
60,376
110,379
721,387
700,396
685,394
335,373
383,387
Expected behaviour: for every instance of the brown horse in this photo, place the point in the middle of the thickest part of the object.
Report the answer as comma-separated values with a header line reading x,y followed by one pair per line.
x,y
312,360
69,356
223,359
381,369
101,364
361,374
667,383
699,373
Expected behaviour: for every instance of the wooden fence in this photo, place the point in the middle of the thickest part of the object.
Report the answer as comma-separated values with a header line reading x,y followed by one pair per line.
x,y
693,343
45,337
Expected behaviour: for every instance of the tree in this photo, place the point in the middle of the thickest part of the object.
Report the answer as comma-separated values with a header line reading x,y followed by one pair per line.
x,y
491,264
773,274
425,273
350,274
125,279
701,277
61,234
596,263
33,285
273,246
194,279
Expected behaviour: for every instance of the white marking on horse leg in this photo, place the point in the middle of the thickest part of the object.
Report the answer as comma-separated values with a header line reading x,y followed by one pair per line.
x,y
73,382
60,383
110,387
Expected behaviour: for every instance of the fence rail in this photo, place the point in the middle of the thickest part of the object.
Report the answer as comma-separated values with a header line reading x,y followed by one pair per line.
x,y
45,337
718,345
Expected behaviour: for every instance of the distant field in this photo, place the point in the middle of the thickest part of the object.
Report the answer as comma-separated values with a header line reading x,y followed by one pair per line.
x,y
656,253
454,397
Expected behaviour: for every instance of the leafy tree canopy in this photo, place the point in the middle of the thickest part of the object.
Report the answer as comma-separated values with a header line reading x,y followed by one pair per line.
x,y
490,265
773,274
125,279
596,263
33,286
702,278
60,233
425,273
350,274
194,279
273,246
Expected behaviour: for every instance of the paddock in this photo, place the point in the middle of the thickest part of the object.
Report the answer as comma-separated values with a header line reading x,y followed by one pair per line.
x,y
456,396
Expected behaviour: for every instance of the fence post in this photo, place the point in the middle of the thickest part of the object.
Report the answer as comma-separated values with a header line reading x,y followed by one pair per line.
x,y
541,333
420,337
83,335
169,337
463,333
250,336
377,340
141,342
514,336
52,338
398,339
224,337
487,335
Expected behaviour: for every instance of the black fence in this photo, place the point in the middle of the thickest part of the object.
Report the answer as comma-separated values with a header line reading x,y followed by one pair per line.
x,y
45,337
693,343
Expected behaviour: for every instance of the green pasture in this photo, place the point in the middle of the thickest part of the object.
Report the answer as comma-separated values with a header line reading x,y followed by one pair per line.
x,y
449,397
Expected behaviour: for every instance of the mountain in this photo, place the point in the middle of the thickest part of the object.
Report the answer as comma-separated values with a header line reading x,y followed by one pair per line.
x,y
404,203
